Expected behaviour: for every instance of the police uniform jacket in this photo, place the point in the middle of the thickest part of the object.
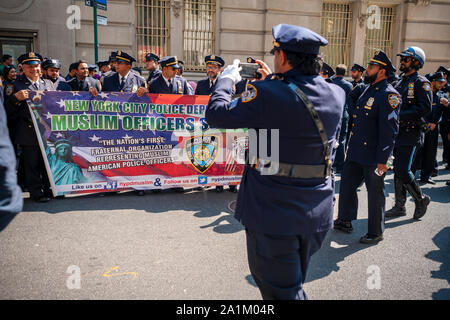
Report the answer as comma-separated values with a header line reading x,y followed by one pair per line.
x,y
159,85
61,84
374,125
416,103
132,82
18,110
347,87
153,75
86,84
204,88
437,108
276,204
355,83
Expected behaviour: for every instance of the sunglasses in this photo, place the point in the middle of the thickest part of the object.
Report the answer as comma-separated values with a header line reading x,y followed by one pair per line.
x,y
405,59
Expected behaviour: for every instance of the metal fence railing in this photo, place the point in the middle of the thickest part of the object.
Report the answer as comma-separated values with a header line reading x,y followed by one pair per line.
x,y
198,32
152,28
336,21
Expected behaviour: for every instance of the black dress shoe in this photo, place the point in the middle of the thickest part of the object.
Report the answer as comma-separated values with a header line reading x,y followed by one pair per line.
x,y
447,183
395,212
41,199
219,189
429,180
434,174
345,226
140,192
371,239
233,188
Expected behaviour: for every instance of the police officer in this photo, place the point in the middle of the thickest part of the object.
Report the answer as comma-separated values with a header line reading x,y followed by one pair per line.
x,y
372,139
152,65
287,214
82,80
416,95
339,80
327,71
51,69
214,66
444,125
426,155
103,67
167,82
180,71
124,80
357,72
36,177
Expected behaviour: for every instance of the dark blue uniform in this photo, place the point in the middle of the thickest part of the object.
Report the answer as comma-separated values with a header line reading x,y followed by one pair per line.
x,y
340,153
85,84
283,216
61,84
10,193
371,141
204,87
131,84
426,155
35,173
178,86
355,83
155,73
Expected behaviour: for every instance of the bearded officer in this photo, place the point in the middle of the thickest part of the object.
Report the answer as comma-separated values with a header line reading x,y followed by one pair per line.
x,y
357,72
371,142
51,69
416,103
287,214
36,179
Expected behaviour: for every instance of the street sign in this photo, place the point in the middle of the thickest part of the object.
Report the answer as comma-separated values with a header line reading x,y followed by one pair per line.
x,y
102,20
101,4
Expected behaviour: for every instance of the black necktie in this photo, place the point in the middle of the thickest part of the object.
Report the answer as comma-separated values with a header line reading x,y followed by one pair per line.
x,y
122,83
80,85
36,86
170,86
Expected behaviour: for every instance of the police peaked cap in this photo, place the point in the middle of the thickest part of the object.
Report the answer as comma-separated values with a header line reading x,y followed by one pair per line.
x,y
297,39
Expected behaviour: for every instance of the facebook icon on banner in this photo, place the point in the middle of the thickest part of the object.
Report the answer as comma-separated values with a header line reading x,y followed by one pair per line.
x,y
202,180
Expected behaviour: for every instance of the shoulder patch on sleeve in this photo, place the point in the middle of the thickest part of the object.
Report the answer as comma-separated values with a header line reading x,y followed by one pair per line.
x,y
394,100
249,94
9,89
426,86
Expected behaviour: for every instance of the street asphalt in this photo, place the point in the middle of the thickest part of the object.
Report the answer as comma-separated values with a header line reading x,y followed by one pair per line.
x,y
189,246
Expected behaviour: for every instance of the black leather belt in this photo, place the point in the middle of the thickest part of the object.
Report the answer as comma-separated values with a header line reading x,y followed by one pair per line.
x,y
300,171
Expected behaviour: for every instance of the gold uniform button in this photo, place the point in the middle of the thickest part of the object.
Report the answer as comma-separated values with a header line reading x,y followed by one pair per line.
x,y
357,108
29,126
365,143
353,124
367,114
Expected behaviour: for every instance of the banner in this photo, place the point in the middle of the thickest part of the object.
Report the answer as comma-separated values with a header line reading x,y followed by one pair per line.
x,y
118,141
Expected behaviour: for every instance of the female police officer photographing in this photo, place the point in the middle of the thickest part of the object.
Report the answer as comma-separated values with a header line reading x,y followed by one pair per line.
x,y
286,214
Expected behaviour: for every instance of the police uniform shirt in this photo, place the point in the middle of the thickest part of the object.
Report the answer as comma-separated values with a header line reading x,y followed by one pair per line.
x,y
205,87
374,125
177,85
271,104
355,83
132,82
417,96
61,84
155,73
25,134
437,108
85,84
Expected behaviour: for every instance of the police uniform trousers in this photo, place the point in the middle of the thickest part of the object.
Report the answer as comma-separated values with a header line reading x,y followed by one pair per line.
x,y
279,263
425,157
340,152
36,177
444,128
353,174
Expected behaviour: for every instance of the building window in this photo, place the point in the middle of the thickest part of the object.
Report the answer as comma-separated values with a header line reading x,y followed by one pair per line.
x,y
379,35
335,26
152,28
198,33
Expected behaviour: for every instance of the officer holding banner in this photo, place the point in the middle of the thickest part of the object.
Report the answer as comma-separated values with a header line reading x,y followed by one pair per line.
x,y
288,213
17,94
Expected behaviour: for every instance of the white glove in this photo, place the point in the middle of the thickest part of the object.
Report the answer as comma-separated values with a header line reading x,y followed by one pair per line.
x,y
232,72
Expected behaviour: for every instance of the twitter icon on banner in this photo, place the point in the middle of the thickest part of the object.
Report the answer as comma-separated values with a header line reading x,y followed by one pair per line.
x,y
202,180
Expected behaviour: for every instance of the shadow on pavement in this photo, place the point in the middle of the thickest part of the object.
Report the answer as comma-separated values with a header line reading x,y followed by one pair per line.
x,y
5,219
335,248
442,255
206,204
